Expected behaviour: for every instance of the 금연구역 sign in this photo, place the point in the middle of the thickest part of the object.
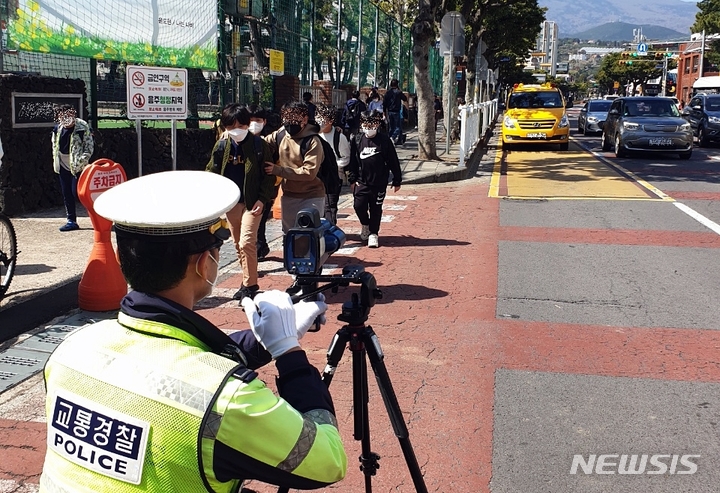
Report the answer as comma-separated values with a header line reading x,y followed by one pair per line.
x,y
156,93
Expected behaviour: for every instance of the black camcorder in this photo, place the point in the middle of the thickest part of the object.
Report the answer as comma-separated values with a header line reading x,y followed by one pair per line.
x,y
309,244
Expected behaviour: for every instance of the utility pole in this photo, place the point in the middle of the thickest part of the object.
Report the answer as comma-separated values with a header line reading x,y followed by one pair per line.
x,y
702,54
339,45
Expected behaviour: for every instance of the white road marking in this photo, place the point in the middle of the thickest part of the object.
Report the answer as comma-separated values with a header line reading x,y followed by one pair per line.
x,y
400,197
384,219
698,217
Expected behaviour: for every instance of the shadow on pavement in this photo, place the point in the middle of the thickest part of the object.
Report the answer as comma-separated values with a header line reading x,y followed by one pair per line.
x,y
391,241
408,292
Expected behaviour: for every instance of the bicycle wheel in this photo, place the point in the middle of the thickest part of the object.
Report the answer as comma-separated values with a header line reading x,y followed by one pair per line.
x,y
8,253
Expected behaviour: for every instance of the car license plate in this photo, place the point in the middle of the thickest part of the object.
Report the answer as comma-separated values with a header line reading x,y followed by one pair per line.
x,y
537,135
661,141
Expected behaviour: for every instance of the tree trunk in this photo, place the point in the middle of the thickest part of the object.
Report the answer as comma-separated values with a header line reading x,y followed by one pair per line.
x,y
423,34
261,58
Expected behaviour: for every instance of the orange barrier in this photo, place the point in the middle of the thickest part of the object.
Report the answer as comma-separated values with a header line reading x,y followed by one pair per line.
x,y
102,285
276,209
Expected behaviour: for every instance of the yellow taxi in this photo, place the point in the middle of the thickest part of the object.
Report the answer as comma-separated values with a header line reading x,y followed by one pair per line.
x,y
535,114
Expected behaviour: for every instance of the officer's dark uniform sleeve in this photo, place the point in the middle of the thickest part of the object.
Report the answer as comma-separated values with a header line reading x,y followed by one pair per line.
x,y
290,441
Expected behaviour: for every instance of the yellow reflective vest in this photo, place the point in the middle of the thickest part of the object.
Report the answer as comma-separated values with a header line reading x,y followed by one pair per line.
x,y
134,405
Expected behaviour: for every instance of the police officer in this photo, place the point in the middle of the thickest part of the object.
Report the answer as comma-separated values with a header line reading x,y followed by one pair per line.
x,y
160,399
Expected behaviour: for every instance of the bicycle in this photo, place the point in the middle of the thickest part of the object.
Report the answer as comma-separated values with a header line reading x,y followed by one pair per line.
x,y
8,253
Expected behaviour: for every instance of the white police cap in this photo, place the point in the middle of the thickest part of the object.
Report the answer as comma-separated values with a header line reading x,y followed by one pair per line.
x,y
169,205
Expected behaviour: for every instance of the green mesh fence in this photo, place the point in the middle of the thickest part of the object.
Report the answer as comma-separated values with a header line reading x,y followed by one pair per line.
x,y
225,47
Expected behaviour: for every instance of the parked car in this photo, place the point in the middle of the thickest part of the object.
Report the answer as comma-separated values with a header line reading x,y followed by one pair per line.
x,y
592,115
647,124
703,114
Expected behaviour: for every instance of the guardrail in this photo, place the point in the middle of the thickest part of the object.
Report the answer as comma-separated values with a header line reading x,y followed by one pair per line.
x,y
475,119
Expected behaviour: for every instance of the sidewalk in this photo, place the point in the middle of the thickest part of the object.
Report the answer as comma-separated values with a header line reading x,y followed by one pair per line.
x,y
41,304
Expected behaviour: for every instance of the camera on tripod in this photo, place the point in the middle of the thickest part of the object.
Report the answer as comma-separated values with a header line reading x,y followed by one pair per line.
x,y
307,246
310,243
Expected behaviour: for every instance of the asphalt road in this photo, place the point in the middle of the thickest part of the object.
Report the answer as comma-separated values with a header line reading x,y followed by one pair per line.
x,y
547,326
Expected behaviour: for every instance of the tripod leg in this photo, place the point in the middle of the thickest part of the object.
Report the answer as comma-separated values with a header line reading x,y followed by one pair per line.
x,y
334,354
374,352
368,460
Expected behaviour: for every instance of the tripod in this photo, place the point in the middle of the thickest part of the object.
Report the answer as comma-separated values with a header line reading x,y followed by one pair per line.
x,y
363,342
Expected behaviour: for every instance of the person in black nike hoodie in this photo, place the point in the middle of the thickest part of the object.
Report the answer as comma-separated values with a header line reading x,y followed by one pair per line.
x,y
373,158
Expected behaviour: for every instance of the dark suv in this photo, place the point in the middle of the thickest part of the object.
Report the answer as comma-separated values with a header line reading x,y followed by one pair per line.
x,y
703,113
646,124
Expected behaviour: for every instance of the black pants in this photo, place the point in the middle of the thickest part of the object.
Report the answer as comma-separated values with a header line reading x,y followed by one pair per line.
x,y
68,186
368,206
331,205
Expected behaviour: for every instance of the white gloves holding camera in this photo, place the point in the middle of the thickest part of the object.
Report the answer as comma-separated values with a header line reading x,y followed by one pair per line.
x,y
277,323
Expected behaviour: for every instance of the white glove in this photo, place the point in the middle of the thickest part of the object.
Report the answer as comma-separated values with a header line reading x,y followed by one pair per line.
x,y
272,320
307,311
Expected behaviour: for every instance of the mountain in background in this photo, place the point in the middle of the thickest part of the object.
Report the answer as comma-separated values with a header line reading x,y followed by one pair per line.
x,y
622,31
579,15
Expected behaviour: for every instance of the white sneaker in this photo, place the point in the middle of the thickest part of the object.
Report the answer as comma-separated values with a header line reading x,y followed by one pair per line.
x,y
365,233
373,241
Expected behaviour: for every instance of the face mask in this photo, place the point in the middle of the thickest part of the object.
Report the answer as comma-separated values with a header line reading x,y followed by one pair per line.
x,y
371,133
217,272
293,129
256,127
238,134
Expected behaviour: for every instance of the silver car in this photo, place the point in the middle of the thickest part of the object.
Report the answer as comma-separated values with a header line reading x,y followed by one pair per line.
x,y
592,115
646,124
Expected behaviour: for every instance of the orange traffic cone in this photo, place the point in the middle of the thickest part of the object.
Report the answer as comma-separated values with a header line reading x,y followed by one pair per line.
x,y
102,285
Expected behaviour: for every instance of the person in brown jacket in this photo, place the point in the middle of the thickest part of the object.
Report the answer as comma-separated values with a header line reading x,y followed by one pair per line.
x,y
300,154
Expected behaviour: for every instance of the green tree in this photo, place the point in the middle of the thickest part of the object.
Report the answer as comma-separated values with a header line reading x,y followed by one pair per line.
x,y
708,19
637,71
510,27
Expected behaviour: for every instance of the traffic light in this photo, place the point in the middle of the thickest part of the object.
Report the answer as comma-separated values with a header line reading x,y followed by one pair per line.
x,y
626,58
659,55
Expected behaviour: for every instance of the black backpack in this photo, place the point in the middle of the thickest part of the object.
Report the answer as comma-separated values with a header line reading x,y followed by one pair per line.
x,y
352,113
328,172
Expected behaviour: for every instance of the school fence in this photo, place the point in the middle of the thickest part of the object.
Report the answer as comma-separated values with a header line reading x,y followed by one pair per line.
x,y
475,119
227,47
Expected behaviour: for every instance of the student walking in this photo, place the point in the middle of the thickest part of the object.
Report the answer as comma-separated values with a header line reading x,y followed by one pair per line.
x,y
240,156
373,159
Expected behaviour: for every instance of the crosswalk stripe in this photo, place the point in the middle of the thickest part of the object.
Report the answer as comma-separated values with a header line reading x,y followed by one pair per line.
x,y
353,217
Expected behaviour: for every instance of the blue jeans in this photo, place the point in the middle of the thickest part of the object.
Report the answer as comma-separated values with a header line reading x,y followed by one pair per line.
x,y
68,186
395,124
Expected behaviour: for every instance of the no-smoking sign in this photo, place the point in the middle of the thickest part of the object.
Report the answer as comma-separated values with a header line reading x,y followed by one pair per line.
x,y
138,78
156,93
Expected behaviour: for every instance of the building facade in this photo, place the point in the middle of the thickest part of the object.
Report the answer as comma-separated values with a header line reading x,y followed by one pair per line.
x,y
690,67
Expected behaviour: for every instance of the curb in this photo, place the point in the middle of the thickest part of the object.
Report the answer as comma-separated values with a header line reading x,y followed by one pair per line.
x,y
458,174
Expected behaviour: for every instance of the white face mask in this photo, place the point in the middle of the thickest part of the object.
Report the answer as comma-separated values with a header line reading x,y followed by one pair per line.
x,y
256,127
217,272
238,134
371,133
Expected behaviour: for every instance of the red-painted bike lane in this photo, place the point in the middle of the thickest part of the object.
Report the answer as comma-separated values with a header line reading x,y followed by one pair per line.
x,y
443,342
